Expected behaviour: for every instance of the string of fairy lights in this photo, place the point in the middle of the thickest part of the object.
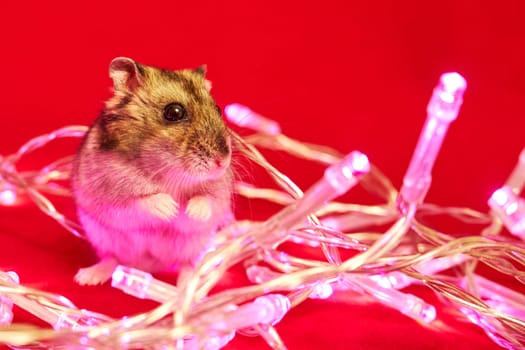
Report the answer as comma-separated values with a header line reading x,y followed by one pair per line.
x,y
383,263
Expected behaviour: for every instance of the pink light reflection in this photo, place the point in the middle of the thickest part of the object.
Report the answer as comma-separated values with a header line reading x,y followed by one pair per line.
x,y
8,197
500,196
453,83
510,209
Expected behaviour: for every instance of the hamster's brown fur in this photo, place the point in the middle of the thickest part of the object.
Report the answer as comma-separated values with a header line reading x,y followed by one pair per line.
x,y
151,192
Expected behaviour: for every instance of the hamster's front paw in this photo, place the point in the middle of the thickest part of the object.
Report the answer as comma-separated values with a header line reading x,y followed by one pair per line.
x,y
161,205
96,274
199,208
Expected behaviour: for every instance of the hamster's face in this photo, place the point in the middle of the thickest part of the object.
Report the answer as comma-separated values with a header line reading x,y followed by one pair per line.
x,y
165,121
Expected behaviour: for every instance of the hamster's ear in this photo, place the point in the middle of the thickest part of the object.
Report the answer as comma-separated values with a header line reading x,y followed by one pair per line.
x,y
126,73
201,70
207,84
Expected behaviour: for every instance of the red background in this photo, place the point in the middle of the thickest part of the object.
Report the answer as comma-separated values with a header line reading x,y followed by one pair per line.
x,y
349,74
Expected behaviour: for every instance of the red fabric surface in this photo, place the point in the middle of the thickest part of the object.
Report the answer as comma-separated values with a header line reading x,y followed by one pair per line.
x,y
349,74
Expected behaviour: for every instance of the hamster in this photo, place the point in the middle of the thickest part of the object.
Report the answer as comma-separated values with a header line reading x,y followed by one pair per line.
x,y
152,180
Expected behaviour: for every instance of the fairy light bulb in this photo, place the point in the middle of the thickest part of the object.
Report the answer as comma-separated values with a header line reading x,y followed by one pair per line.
x,y
261,274
407,304
8,197
245,117
499,296
271,308
13,276
337,180
6,311
267,309
395,279
322,290
516,180
343,175
55,318
442,109
6,304
510,209
142,285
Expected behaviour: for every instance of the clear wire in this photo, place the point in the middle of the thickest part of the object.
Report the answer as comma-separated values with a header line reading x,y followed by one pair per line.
x,y
406,251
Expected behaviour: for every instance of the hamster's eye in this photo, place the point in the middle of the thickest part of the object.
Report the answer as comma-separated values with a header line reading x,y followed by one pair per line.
x,y
174,112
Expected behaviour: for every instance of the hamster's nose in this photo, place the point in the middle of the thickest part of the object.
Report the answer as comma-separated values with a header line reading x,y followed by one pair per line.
x,y
221,162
